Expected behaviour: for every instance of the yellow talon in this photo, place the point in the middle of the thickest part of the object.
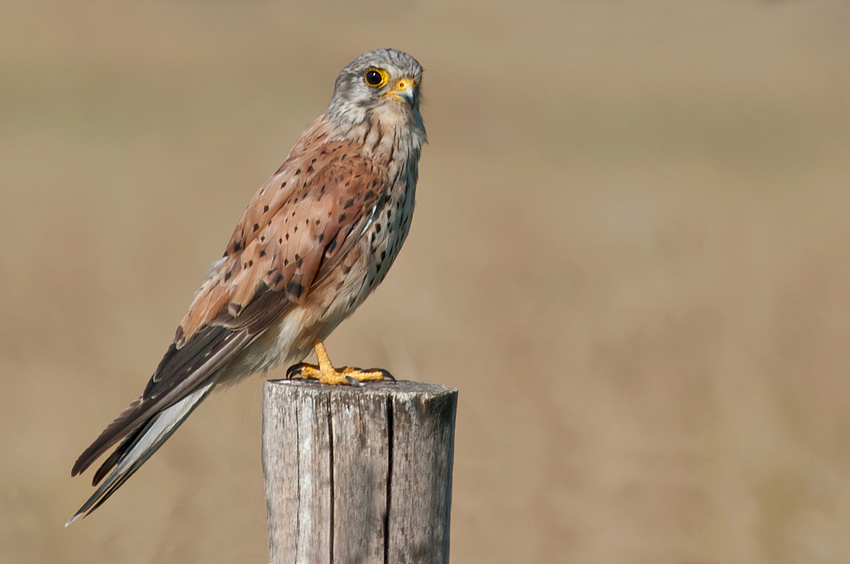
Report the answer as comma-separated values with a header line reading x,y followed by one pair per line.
x,y
325,372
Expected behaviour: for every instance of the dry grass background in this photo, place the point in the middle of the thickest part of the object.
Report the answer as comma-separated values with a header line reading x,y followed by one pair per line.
x,y
631,254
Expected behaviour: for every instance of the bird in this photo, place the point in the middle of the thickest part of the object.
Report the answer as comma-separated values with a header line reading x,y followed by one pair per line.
x,y
315,240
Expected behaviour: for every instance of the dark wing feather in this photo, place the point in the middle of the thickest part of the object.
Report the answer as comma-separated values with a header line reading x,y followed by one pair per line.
x,y
116,455
179,372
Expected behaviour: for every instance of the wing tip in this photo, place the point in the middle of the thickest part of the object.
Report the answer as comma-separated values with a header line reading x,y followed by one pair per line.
x,y
127,421
79,466
86,459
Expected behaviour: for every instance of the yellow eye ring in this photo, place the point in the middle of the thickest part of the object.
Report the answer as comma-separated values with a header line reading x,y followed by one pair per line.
x,y
376,78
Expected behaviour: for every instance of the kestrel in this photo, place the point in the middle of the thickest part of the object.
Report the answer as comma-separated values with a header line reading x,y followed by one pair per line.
x,y
314,242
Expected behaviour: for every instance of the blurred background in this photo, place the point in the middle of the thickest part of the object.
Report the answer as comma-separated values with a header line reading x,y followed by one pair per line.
x,y
631,254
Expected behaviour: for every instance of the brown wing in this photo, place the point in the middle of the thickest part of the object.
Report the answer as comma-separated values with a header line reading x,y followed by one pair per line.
x,y
295,225
295,229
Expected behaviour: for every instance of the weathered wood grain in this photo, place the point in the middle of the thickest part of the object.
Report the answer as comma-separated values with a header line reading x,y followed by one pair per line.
x,y
358,475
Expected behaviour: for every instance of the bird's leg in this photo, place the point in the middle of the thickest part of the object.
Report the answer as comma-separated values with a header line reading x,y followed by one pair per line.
x,y
325,372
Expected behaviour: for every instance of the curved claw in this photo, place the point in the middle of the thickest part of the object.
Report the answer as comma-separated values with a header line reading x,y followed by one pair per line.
x,y
386,373
295,372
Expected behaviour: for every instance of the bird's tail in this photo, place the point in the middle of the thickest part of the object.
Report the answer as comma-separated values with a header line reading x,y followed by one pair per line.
x,y
140,445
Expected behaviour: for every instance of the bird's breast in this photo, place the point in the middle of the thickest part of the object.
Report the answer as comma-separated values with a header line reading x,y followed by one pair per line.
x,y
369,260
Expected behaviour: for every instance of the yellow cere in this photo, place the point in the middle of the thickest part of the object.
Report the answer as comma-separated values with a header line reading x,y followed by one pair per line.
x,y
404,84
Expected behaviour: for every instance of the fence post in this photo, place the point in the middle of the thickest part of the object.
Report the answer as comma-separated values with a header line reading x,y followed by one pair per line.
x,y
360,475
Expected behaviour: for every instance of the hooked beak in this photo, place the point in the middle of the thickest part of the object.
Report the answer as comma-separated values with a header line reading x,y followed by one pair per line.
x,y
405,91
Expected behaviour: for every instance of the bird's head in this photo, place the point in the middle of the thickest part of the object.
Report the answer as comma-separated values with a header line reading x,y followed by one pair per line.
x,y
383,79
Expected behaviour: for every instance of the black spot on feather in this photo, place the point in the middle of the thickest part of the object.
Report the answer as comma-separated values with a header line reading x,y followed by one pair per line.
x,y
295,288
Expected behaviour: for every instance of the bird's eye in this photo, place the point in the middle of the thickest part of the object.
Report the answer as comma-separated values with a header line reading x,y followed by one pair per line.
x,y
376,77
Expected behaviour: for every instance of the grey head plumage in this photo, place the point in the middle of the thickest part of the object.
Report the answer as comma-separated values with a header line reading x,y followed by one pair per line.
x,y
375,79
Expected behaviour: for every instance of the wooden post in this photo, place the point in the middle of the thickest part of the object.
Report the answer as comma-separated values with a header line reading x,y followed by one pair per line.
x,y
358,475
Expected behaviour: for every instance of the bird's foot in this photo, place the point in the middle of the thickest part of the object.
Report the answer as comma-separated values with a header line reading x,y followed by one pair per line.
x,y
334,377
325,372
